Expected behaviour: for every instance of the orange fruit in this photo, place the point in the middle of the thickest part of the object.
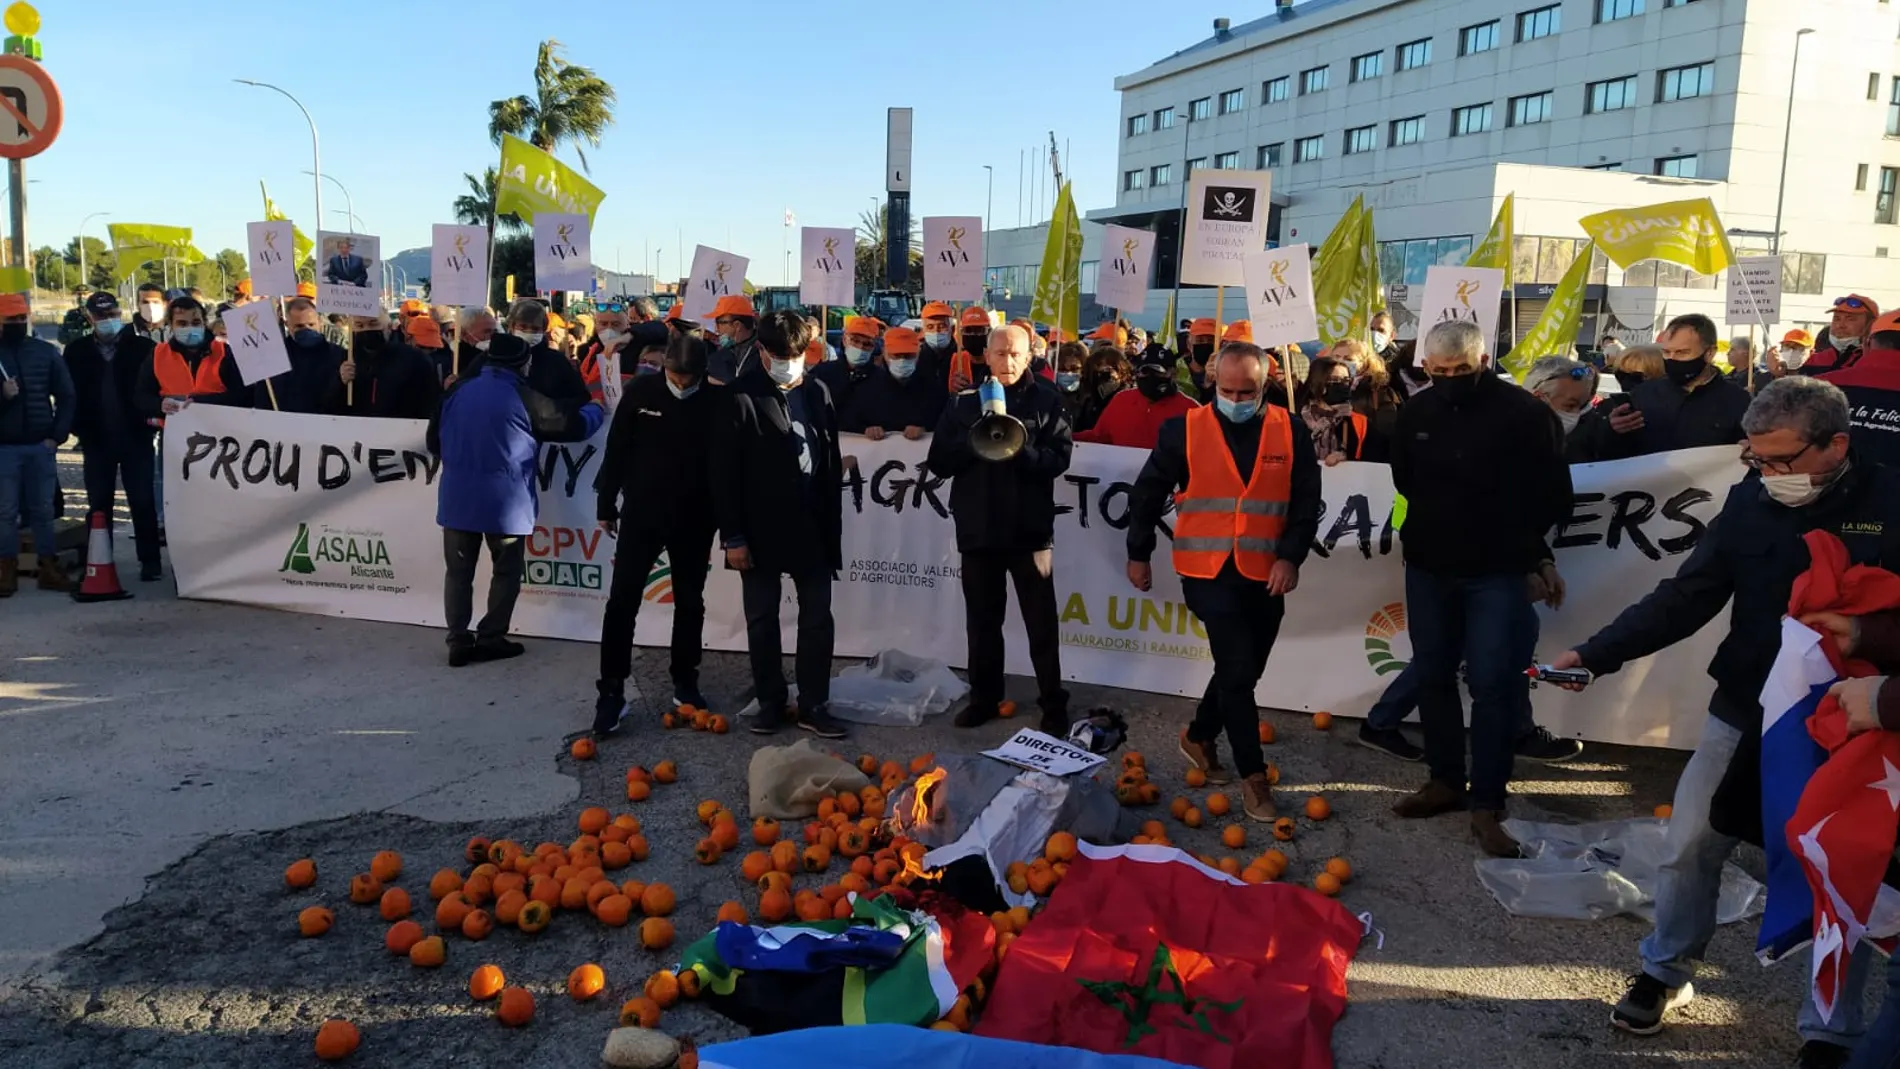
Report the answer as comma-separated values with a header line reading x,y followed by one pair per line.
x,y
1179,807
476,851
337,1039
300,874
394,905
663,988
585,982
638,790
615,855
657,900
639,1012
921,763
508,907
401,936
1323,721
1274,862
444,883
1273,773
477,925
516,1007
775,905
656,933
615,910
817,858
637,846
718,724
486,982
1154,829
386,865
1341,869
1192,818
1326,883
534,916
1233,836
314,921
765,831
1060,847
726,834
1318,808
574,893
365,888
755,865
1663,811
707,852
1266,732
785,856
1230,866
1196,778
1254,874
666,772
428,952
707,810
1283,829
775,881
583,750
732,911
1218,805
592,819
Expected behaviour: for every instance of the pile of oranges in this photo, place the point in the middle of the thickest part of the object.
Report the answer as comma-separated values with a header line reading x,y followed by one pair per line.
x,y
687,716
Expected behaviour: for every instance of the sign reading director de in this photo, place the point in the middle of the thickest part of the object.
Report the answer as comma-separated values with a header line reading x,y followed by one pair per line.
x,y
30,108
1037,752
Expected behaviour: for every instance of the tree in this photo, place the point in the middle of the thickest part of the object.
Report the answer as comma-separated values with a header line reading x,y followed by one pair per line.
x,y
871,255
477,206
98,263
216,275
571,104
50,271
513,255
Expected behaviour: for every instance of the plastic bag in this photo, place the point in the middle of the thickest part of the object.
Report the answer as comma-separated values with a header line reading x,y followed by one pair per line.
x,y
896,689
1591,871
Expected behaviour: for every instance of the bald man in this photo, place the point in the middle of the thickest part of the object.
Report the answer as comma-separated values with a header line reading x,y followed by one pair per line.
x,y
1005,513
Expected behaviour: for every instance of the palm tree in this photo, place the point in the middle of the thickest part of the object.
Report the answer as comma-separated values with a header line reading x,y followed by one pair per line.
x,y
477,206
871,254
571,104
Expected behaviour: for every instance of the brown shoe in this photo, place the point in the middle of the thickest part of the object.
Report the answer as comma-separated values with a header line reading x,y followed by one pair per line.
x,y
9,576
1434,798
52,576
1202,756
1257,798
1488,826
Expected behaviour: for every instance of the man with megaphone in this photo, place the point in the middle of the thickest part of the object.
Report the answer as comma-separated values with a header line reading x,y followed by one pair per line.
x,y
1005,444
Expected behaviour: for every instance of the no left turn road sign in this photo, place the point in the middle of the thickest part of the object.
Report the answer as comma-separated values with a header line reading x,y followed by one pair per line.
x,y
30,109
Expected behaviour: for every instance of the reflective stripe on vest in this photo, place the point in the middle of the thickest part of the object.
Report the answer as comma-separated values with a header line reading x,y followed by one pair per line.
x,y
1216,516
176,378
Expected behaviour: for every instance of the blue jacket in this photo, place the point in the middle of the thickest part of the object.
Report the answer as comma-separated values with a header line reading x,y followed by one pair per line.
x,y
44,407
488,434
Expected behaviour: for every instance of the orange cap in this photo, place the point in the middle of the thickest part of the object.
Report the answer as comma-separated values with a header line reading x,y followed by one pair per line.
x,y
730,305
815,351
677,312
1201,326
13,304
864,325
422,330
244,287
975,316
1798,337
307,289
555,320
936,310
1238,330
1854,302
1056,337
901,341
413,307
1890,321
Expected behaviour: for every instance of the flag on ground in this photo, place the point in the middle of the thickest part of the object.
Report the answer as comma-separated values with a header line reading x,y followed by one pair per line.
x,y
889,1046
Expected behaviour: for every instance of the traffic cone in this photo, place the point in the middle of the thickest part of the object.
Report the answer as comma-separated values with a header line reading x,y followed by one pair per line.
x,y
102,573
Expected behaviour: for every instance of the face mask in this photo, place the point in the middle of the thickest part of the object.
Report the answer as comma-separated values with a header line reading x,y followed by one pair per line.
x,y
901,367
108,328
1629,380
857,357
609,336
1338,393
1792,358
1684,372
152,311
1109,387
1569,420
1456,387
189,337
937,341
1154,387
1068,381
645,369
1237,411
1792,491
1380,340
1201,352
1841,345
307,338
681,392
533,338
368,341
975,341
784,372
482,345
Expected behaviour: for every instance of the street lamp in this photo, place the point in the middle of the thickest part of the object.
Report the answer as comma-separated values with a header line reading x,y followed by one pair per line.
x,y
83,276
1787,132
350,218
989,199
348,202
316,158
1180,248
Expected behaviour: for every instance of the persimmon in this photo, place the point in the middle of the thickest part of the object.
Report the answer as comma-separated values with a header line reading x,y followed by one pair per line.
x,y
428,952
300,874
615,910
867,764
706,810
535,916
633,889
1218,805
450,912
401,936
516,1007
863,865
1060,847
1663,812
1266,733
637,846
1340,869
656,933
1179,807
707,852
1017,877
1233,836
615,855
508,907
486,982
850,804
669,721
592,819
476,851
583,750
477,889
386,865
1254,874
1318,808
775,880
718,724
314,921
842,910
726,834
628,821
732,911
1327,884
637,772
853,842
921,763
765,831
365,888
817,858
1230,866
1322,721
574,894
785,856
1196,778
885,871
1042,877
504,851
657,900
639,1012
702,720
666,772
638,791
1283,829
337,1039
1192,818
689,983
775,905
831,893
585,982
1274,862
1273,774
394,905
444,883
477,925
810,907
663,988
544,889
754,865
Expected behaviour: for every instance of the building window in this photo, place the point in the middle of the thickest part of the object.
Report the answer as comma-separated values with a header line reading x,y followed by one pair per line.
x,y
1161,174
1893,110
1367,67
1873,85
1313,81
1860,179
1274,90
1361,139
1135,179
1475,119
1233,100
1613,95
1269,155
1686,3
1681,83
1676,166
1407,262
1308,149
1480,38
1090,275
1612,10
1200,110
1195,164
1539,23
1534,108
1227,161
1408,131
1164,119
1415,55
1137,124
1883,204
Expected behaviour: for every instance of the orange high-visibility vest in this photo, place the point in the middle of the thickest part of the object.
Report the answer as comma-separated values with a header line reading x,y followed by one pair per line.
x,y
1217,516
1359,423
176,379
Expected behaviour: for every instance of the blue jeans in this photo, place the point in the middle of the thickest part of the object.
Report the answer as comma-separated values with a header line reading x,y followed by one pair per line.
x,y
27,479
1479,621
1690,880
1401,695
1880,1047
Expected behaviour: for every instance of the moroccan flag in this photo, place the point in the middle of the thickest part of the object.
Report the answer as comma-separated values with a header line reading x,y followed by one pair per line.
x,y
1555,332
1495,250
1058,300
1686,232
1143,950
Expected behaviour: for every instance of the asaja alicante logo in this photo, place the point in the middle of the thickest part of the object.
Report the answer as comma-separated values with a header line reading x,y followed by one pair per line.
x,y
364,553
1386,625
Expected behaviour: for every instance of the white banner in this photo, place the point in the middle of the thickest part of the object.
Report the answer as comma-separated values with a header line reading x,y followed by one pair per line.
x,y
1227,219
349,275
563,253
458,260
336,516
1280,295
828,266
272,245
1470,294
953,258
1121,282
1754,290
256,340
715,274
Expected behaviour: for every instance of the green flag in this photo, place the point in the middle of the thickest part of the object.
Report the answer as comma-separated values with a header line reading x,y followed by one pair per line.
x,y
1555,332
301,245
136,244
1058,300
1346,277
1495,250
533,181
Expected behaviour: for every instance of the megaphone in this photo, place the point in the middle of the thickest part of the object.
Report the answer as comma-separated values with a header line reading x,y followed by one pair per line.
x,y
997,435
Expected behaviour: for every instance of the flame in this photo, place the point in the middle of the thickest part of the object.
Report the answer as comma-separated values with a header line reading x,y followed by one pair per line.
x,y
920,797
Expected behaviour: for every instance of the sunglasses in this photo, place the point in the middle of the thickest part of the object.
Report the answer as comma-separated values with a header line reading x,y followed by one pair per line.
x,y
610,306
1580,373
1852,304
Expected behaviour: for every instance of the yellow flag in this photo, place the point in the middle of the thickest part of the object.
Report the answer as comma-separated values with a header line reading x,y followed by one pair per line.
x,y
1058,297
135,244
1495,250
16,280
532,181
1555,332
300,244
1346,277
1686,232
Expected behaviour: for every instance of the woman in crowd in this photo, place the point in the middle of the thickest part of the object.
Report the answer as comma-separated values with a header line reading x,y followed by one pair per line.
x,y
1636,364
1373,395
1569,387
1105,373
1326,407
1070,358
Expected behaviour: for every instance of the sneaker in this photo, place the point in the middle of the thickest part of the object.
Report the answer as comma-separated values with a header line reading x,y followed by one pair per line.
x,y
1641,1011
499,649
1390,741
1819,1054
1257,798
150,573
1434,798
770,718
1205,756
461,649
976,714
610,707
1488,826
1541,745
1055,723
688,694
820,723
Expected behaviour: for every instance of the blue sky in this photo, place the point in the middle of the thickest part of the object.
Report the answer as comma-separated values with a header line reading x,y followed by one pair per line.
x,y
729,113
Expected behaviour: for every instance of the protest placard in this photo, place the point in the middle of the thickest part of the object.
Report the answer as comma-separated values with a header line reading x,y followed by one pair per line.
x,y
1121,282
1280,295
256,341
348,272
716,274
827,266
273,267
1466,294
1754,290
1037,752
563,253
953,258
458,265
1227,219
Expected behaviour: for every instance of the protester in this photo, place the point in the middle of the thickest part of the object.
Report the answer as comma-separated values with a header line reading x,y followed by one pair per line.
x,y
1112,333
1569,387
777,483
1070,359
1805,476
36,415
550,372
973,338
1840,342
1198,348
114,435
1741,358
1405,372
420,332
1134,417
736,321
189,367
75,324
1385,339
1792,355
644,310
314,383
1104,374
1137,342
473,331
150,320
1635,365
1338,433
488,435
390,379
1481,466
616,332
843,378
659,449
1246,488
1005,513
896,398
938,331
1872,385
1692,405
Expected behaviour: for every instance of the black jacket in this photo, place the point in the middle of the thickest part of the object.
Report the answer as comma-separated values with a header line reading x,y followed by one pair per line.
x,y
659,459
1167,471
1872,386
843,380
1750,556
311,386
1008,505
1484,478
131,352
792,524
1827,358
884,400
550,374
43,409
728,364
394,382
146,397
1710,414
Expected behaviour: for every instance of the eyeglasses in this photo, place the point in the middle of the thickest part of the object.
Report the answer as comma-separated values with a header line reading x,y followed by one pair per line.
x,y
1852,304
1773,465
610,306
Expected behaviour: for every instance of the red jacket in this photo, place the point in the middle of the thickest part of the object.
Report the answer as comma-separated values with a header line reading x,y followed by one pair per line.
x,y
1132,420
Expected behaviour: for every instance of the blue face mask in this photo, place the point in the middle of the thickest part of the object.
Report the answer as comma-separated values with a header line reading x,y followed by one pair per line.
x,y
725,341
306,338
901,367
1238,411
645,369
682,392
1068,380
108,328
189,337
